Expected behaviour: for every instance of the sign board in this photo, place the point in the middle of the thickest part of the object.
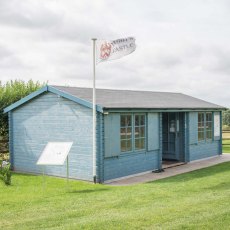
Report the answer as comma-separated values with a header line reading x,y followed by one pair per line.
x,y
55,153
216,125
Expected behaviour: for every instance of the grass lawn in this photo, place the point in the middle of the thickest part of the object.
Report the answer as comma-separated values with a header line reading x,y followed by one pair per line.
x,y
196,200
226,146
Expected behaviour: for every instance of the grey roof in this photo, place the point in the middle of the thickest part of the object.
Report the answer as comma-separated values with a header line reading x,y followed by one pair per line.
x,y
110,98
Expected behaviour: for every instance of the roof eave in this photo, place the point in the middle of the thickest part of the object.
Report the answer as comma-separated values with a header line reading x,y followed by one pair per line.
x,y
168,109
25,99
74,98
56,91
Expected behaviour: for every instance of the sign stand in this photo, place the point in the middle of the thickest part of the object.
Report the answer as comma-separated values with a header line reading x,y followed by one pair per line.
x,y
55,153
67,172
43,178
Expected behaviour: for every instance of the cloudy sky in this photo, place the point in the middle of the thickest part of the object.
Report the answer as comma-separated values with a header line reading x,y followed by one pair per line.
x,y
182,45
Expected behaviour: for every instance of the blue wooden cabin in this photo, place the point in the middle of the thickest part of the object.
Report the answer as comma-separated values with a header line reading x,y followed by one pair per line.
x,y
136,130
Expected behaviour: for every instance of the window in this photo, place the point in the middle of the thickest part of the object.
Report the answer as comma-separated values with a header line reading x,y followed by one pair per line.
x,y
139,132
205,124
209,126
132,132
200,126
126,133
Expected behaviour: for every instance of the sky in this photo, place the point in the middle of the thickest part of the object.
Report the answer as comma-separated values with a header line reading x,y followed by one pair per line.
x,y
182,45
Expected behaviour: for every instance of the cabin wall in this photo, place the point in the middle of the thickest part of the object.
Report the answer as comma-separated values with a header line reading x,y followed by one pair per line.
x,y
201,149
121,164
51,118
128,164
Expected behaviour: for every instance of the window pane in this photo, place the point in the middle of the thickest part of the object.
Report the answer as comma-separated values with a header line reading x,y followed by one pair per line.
x,y
200,136
137,132
209,134
137,120
142,120
126,133
129,133
123,133
142,144
129,145
123,117
128,120
142,131
208,117
137,144
200,117
201,126
209,126
200,129
123,146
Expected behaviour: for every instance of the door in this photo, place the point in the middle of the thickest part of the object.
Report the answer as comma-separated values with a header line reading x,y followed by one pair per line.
x,y
173,136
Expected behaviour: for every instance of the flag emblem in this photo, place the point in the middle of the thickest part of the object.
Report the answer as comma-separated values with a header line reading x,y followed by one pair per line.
x,y
105,50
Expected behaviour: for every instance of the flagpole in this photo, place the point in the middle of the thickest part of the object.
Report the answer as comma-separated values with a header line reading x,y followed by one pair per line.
x,y
94,113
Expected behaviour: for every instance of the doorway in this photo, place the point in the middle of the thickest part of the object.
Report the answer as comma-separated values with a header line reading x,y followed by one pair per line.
x,y
173,131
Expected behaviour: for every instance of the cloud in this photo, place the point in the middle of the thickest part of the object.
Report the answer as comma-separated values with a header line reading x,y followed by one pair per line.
x,y
182,46
28,14
8,59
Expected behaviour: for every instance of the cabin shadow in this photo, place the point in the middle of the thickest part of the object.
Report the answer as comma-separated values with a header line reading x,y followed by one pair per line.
x,y
189,176
88,190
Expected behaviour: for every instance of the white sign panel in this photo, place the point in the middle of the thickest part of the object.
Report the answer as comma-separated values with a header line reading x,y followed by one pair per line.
x,y
216,125
55,153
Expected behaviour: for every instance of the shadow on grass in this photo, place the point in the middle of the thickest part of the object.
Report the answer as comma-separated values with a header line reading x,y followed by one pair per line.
x,y
221,186
88,190
200,173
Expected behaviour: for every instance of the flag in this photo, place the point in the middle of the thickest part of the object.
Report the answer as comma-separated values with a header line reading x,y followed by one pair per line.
x,y
110,50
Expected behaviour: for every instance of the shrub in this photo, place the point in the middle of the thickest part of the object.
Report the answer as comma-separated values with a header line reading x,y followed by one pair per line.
x,y
5,172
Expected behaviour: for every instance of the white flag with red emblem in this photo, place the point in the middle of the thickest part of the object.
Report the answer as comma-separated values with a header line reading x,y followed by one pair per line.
x,y
110,50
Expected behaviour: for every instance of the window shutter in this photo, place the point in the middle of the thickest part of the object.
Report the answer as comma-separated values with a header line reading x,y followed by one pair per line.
x,y
153,131
216,126
193,128
112,134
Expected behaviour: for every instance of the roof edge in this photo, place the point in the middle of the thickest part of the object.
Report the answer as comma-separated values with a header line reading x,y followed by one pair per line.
x,y
119,109
25,99
74,98
52,90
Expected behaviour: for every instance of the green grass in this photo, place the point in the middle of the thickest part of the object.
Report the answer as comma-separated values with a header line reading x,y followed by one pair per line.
x,y
226,146
196,200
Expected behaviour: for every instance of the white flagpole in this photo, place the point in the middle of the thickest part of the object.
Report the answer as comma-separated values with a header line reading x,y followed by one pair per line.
x,y
94,113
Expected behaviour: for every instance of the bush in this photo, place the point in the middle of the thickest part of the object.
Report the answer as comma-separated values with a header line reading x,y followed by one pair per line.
x,y
5,172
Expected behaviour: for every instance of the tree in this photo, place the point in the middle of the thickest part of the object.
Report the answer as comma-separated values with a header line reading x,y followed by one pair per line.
x,y
11,92
226,117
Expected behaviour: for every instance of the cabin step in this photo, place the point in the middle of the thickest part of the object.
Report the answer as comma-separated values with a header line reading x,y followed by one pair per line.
x,y
172,164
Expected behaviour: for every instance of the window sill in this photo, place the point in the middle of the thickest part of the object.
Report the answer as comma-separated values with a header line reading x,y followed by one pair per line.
x,y
205,142
133,153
